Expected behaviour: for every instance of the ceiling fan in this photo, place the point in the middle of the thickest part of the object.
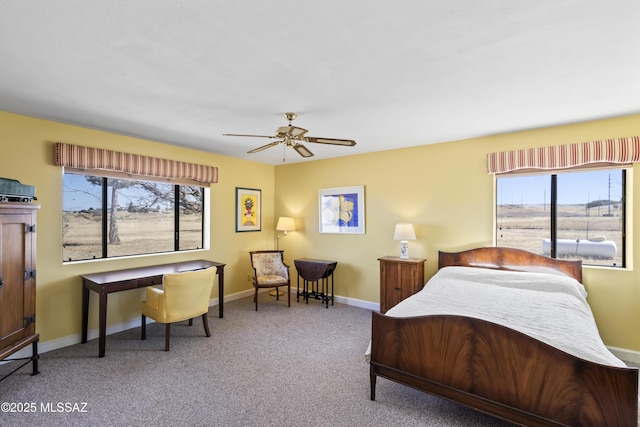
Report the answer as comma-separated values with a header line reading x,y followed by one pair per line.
x,y
292,136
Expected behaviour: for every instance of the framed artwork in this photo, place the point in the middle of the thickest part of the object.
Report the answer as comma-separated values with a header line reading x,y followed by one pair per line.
x,y
248,209
342,210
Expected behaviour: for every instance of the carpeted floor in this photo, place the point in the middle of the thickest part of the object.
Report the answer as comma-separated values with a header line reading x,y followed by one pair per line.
x,y
298,366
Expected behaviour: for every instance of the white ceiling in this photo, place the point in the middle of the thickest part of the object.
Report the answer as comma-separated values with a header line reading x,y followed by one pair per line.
x,y
388,74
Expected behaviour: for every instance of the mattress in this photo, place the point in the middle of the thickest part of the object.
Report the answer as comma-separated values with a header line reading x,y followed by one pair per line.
x,y
549,307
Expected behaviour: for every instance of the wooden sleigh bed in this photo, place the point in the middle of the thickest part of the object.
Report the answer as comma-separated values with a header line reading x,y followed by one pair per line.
x,y
498,370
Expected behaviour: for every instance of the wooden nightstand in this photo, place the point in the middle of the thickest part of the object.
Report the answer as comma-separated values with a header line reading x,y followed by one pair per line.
x,y
399,279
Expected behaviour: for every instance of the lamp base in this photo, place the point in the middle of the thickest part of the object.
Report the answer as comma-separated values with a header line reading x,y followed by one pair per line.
x,y
404,249
273,292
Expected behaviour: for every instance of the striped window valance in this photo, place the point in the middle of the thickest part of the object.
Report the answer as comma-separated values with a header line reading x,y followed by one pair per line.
x,y
115,163
593,154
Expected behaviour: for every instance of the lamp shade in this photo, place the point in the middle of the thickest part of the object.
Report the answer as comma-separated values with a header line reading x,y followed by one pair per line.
x,y
404,231
286,224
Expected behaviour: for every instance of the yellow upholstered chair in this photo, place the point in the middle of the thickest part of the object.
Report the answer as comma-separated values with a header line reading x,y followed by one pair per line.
x,y
270,271
183,296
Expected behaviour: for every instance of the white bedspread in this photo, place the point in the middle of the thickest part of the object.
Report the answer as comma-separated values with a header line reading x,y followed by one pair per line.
x,y
550,308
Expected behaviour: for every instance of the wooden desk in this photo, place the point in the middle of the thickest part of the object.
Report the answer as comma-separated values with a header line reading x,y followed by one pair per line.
x,y
134,278
314,271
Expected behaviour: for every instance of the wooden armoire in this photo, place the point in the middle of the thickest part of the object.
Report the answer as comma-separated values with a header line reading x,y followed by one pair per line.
x,y
18,282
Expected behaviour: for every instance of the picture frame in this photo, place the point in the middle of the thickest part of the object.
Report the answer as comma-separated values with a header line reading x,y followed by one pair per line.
x,y
341,210
248,209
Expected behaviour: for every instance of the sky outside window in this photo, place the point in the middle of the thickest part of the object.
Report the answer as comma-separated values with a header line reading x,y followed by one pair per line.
x,y
575,188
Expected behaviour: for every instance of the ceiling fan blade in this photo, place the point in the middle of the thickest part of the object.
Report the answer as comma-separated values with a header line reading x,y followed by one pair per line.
x,y
345,142
264,147
302,150
254,136
291,131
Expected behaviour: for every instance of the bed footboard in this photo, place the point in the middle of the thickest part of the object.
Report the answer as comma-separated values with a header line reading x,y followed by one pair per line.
x,y
501,372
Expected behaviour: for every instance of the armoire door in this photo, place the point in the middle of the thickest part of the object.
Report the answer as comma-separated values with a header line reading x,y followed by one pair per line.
x,y
17,277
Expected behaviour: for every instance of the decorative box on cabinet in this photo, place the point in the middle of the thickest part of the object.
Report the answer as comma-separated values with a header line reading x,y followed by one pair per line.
x,y
18,282
399,279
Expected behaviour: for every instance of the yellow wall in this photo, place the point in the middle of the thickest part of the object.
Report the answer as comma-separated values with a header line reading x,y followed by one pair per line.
x,y
27,155
442,188
445,191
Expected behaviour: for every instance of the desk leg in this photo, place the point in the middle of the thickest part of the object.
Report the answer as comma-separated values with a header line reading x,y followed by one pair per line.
x,y
103,324
220,272
85,313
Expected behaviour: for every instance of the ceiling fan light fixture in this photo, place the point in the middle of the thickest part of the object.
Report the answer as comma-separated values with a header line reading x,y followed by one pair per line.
x,y
291,131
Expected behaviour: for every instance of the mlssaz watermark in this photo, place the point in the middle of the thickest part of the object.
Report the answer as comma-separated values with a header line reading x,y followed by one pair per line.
x,y
48,407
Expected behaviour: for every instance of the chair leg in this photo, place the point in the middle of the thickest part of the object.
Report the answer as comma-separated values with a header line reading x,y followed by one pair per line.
x,y
191,322
167,336
255,298
143,335
205,322
289,295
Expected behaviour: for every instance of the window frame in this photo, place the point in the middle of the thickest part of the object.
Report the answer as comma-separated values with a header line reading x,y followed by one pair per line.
x,y
104,226
627,176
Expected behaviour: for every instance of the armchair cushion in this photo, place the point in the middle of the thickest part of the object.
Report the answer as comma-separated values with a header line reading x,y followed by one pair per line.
x,y
269,264
271,279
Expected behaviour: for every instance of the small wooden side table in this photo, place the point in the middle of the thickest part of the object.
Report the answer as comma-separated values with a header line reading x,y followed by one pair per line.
x,y
315,272
399,278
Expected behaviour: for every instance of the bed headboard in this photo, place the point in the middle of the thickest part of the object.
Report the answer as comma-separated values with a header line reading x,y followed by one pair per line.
x,y
510,259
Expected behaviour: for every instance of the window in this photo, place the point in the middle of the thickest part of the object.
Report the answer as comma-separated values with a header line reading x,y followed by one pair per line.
x,y
573,215
105,217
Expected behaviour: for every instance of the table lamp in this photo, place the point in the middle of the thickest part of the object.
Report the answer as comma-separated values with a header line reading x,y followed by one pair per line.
x,y
404,232
284,224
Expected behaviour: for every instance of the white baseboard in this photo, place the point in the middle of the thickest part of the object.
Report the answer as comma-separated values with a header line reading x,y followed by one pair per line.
x,y
626,355
373,306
